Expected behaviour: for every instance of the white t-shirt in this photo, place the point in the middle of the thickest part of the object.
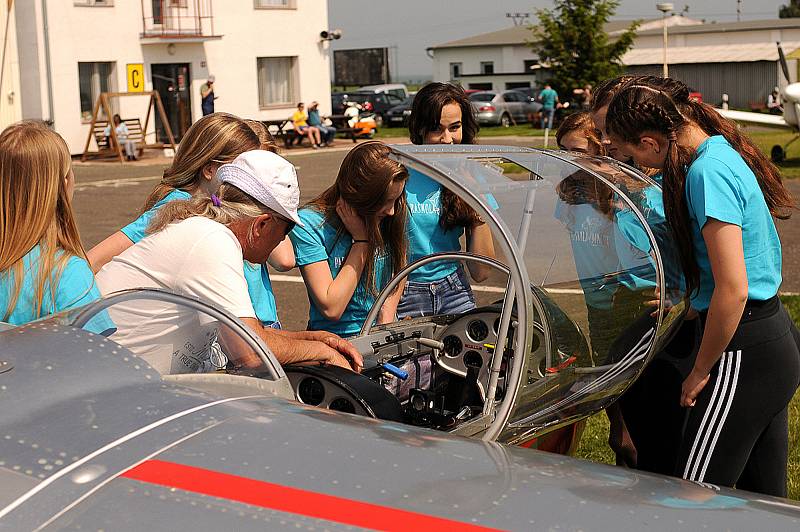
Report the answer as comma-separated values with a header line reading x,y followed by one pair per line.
x,y
196,257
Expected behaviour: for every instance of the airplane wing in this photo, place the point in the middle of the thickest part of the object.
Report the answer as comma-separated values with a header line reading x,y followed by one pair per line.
x,y
761,119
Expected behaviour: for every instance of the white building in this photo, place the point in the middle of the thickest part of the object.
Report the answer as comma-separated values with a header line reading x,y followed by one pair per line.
x,y
266,56
737,58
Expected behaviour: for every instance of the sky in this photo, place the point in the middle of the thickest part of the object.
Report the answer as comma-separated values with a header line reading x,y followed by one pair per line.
x,y
408,27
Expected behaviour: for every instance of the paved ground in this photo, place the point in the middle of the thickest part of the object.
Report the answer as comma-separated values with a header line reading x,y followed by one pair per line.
x,y
109,195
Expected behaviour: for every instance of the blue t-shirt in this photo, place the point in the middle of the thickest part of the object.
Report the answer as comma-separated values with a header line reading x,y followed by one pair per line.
x,y
317,241
548,98
425,235
314,119
76,287
720,185
257,275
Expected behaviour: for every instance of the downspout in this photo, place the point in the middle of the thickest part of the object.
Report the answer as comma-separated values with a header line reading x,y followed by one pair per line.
x,y
48,69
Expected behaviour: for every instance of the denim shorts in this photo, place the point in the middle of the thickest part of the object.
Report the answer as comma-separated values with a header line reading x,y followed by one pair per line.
x,y
450,295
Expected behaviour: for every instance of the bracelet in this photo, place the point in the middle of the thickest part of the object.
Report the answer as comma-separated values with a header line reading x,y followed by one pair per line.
x,y
360,241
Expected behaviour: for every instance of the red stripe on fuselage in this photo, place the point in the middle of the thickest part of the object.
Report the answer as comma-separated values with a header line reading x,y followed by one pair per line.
x,y
286,499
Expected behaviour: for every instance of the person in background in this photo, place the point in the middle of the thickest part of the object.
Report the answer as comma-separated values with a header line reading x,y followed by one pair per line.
x,y
315,120
43,267
774,103
549,99
207,95
720,196
122,133
441,114
300,123
353,240
195,247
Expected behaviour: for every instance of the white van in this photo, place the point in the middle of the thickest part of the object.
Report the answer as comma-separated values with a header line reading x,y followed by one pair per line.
x,y
395,89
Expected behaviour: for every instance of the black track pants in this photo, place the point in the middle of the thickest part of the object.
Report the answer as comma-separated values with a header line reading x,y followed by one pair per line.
x,y
737,432
651,406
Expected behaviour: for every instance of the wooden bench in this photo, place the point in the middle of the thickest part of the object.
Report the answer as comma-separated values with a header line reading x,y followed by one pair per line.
x,y
343,128
104,145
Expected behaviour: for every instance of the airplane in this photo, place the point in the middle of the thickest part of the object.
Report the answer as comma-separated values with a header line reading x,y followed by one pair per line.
x,y
790,97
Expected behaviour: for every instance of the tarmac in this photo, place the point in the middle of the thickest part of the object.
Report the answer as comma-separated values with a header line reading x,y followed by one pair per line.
x,y
109,194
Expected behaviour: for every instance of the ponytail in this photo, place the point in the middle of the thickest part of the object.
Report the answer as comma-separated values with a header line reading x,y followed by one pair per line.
x,y
778,198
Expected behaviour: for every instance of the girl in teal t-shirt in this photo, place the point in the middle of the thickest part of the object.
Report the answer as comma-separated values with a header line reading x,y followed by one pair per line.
x,y
353,241
43,269
720,194
210,142
441,114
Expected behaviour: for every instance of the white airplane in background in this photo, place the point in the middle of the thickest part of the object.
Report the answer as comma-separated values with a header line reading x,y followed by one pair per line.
x,y
790,97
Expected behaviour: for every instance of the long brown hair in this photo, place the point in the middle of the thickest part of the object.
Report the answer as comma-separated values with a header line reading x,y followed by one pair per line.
x,y
426,115
606,90
35,208
363,181
638,109
218,137
264,136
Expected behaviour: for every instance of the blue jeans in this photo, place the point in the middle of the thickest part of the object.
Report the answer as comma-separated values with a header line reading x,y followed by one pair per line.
x,y
327,132
547,116
451,295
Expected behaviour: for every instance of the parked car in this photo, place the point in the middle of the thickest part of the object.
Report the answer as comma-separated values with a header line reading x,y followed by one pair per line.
x,y
501,108
532,95
395,89
379,103
398,115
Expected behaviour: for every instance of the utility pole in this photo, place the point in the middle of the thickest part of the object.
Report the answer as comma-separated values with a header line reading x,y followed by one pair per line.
x,y
665,7
738,10
518,18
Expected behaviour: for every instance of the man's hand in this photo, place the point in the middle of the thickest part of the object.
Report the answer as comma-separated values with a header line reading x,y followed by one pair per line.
x,y
344,349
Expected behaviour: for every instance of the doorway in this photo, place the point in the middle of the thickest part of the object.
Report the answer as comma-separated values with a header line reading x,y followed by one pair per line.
x,y
173,83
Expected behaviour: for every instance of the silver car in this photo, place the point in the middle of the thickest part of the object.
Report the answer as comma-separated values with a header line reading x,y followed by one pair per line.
x,y
501,108
427,437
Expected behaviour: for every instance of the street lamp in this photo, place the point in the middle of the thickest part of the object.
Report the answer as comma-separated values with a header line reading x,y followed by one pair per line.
x,y
665,7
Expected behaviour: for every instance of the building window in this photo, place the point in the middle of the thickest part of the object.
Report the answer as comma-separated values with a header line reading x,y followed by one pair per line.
x,y
480,86
511,85
455,70
94,78
529,66
101,3
275,4
487,67
277,81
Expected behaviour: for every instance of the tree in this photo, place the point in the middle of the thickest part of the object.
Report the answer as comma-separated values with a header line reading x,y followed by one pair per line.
x,y
790,11
572,41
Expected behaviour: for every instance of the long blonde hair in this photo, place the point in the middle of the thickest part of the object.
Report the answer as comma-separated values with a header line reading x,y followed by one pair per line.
x,y
35,209
219,137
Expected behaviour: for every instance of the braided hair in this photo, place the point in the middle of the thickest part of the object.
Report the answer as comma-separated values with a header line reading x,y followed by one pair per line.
x,y
639,109
663,106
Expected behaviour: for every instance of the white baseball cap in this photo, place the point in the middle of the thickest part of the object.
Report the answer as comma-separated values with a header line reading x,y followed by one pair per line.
x,y
211,78
268,178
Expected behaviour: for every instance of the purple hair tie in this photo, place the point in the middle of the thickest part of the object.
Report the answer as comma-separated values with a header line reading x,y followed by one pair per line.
x,y
215,200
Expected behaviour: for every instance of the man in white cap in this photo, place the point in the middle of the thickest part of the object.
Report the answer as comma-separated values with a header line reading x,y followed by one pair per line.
x,y
196,248
207,95
774,103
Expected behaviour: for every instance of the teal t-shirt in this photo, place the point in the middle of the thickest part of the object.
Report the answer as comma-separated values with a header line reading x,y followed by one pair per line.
x,y
720,185
75,287
317,241
256,275
425,235
548,98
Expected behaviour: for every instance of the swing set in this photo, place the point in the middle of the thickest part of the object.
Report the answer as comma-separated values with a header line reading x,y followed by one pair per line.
x,y
105,137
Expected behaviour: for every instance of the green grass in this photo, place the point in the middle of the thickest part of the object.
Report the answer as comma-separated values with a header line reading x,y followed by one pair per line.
x,y
523,130
594,443
763,138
